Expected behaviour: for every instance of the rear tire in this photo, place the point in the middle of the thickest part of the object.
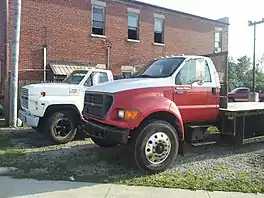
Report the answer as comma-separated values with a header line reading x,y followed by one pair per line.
x,y
155,146
61,127
103,143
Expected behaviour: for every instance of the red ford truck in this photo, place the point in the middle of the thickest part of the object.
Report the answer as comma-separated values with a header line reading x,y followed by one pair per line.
x,y
167,102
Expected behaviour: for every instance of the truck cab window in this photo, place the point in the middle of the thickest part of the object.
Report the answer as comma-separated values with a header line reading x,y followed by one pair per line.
x,y
75,77
207,74
187,74
242,91
89,81
103,77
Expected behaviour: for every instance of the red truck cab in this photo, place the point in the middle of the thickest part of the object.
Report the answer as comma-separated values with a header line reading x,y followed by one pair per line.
x,y
151,110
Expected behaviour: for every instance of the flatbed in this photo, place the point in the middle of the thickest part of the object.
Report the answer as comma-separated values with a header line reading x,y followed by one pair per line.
x,y
242,122
243,106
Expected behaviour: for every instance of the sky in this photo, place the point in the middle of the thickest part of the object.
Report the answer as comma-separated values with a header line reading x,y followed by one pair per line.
x,y
239,13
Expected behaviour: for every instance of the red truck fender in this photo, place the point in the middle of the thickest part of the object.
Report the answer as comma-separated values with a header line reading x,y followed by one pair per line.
x,y
167,111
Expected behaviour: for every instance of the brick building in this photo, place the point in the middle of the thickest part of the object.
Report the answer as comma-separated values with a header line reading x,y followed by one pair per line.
x,y
114,34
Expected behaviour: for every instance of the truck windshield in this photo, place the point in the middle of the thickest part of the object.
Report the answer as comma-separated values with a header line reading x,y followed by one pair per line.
x,y
159,68
75,77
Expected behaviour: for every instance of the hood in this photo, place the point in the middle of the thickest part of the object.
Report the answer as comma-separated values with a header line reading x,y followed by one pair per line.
x,y
52,89
131,83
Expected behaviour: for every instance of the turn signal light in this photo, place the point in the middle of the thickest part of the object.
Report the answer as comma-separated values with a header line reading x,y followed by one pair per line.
x,y
43,93
127,114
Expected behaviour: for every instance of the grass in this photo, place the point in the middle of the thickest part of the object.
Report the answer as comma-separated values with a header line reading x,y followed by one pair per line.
x,y
85,162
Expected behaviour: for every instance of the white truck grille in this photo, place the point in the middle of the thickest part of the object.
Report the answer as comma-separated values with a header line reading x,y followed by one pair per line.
x,y
24,98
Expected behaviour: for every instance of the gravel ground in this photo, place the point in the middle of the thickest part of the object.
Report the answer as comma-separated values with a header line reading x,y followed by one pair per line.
x,y
211,167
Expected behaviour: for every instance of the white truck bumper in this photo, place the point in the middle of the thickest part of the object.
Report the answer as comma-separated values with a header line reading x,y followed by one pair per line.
x,y
28,119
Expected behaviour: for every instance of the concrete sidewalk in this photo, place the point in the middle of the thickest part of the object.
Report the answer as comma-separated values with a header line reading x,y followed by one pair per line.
x,y
28,188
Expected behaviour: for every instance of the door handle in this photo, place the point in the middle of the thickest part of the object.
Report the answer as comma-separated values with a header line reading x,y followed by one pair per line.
x,y
179,92
214,91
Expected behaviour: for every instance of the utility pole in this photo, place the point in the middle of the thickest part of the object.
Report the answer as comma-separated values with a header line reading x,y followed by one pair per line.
x,y
14,70
6,81
254,24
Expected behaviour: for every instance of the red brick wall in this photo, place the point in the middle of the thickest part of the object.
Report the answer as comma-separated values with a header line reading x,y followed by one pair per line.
x,y
66,29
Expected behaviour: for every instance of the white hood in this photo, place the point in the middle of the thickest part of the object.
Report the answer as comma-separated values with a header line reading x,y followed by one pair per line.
x,y
52,89
131,83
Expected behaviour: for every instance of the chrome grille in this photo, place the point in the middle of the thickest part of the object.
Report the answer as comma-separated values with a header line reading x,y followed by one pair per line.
x,y
97,105
24,98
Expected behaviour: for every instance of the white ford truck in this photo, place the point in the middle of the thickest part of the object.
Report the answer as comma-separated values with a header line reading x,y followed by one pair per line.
x,y
55,108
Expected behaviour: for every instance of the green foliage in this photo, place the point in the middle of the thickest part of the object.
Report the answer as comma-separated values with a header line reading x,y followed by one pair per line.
x,y
240,73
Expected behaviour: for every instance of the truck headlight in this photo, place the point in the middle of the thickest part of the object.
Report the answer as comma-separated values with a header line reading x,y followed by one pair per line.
x,y
127,114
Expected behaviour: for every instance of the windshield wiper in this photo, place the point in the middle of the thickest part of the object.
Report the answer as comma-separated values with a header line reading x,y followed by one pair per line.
x,y
144,76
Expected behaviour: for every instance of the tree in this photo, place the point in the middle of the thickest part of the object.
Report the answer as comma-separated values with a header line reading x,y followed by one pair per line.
x,y
237,71
240,73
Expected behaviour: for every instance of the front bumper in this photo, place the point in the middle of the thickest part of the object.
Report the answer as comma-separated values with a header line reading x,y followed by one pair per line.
x,y
28,119
105,132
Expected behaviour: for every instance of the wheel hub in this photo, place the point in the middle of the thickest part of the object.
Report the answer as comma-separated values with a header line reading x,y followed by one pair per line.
x,y
157,148
63,127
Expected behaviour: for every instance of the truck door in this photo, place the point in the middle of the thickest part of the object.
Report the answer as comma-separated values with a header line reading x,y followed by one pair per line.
x,y
190,96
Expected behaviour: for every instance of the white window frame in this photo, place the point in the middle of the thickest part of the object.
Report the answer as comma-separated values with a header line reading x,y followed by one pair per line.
x,y
218,48
99,5
135,11
160,16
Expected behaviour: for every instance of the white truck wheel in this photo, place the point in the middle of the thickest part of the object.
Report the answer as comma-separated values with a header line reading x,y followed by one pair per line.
x,y
61,127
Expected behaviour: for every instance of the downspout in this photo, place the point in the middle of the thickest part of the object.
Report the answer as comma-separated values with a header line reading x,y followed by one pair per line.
x,y
108,57
44,63
108,46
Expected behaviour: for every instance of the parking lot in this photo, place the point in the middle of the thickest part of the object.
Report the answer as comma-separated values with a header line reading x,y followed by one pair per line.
x,y
25,153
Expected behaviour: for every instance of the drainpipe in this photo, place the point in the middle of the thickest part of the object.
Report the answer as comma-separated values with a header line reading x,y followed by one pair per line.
x,y
108,57
44,63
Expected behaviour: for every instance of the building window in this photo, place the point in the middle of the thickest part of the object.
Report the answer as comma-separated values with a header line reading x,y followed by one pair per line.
x,y
158,30
133,32
98,16
218,41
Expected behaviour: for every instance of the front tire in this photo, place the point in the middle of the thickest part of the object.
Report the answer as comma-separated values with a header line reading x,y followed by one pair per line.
x,y
155,146
61,127
103,143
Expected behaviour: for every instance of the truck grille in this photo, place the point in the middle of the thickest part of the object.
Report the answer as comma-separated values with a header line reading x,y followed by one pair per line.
x,y
97,105
24,98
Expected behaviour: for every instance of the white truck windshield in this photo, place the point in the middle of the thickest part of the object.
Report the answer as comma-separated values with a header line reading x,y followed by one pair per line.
x,y
75,77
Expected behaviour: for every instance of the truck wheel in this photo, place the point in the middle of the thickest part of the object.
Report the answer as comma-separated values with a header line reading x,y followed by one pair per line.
x,y
102,143
155,146
61,127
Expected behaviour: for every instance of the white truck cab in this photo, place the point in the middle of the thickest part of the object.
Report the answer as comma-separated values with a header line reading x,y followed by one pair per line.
x,y
55,108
